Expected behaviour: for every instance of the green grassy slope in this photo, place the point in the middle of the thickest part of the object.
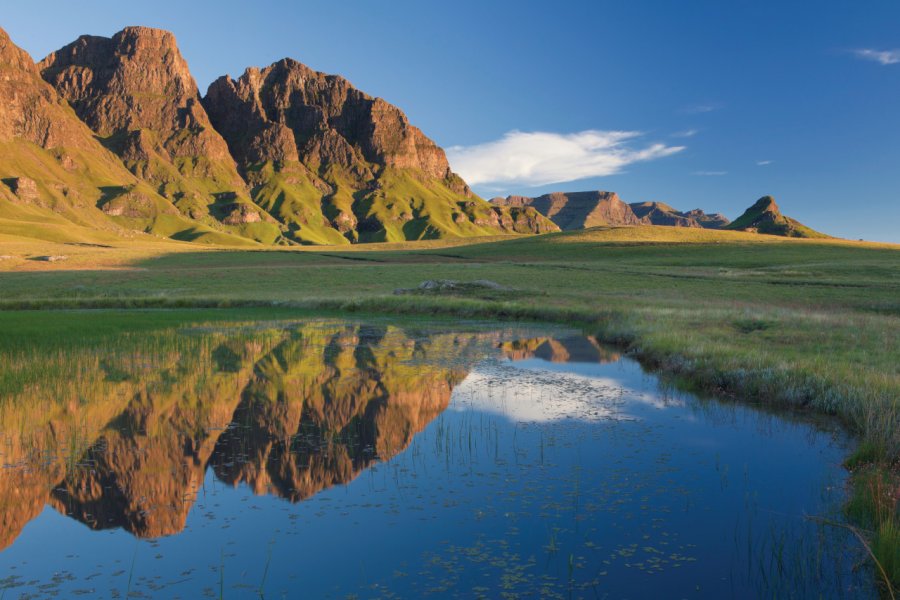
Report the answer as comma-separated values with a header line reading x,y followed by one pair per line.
x,y
93,200
336,207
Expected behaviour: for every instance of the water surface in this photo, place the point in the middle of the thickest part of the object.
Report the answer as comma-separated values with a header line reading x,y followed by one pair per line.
x,y
334,459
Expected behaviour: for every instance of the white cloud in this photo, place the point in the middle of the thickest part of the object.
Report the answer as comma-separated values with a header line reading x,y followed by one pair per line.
x,y
884,57
686,133
710,173
763,163
541,158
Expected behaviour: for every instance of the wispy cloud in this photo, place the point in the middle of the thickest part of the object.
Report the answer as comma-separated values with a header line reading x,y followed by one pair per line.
x,y
699,109
763,163
710,173
686,133
884,57
541,158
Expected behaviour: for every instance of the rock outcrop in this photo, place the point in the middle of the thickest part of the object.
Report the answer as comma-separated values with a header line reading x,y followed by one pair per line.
x,y
30,110
53,168
289,112
765,217
578,210
708,220
135,91
659,213
337,165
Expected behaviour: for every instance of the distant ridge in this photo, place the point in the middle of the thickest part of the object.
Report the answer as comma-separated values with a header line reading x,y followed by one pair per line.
x,y
662,214
765,217
578,210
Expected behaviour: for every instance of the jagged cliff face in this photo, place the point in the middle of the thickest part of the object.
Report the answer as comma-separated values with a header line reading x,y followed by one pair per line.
x,y
659,213
765,217
337,165
578,210
29,109
136,92
308,158
289,112
53,170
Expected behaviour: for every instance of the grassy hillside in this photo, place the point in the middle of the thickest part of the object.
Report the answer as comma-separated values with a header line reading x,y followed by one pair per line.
x,y
808,323
336,208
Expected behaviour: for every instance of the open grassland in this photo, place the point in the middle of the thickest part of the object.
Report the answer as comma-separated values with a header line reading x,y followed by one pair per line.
x,y
807,323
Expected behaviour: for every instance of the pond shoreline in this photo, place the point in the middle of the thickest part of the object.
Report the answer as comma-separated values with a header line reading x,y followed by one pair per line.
x,y
874,471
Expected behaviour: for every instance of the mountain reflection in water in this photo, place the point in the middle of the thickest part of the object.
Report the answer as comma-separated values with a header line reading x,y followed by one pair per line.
x,y
123,437
330,458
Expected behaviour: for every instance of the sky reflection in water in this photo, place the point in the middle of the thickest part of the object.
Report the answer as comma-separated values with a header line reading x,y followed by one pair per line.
x,y
327,459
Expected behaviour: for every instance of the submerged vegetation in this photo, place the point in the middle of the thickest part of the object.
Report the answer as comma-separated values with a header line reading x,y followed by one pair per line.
x,y
806,323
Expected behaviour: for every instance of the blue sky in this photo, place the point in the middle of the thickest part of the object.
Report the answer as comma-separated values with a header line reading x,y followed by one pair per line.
x,y
706,104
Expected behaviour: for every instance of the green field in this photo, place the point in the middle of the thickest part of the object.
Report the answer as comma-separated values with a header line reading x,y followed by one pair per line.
x,y
813,324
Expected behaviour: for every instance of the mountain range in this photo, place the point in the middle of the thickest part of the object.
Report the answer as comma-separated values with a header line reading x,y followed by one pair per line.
x,y
112,135
580,210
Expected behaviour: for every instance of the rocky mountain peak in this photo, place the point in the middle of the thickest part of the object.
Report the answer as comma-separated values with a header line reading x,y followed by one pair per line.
x,y
32,110
308,158
330,122
136,79
766,204
135,91
660,213
765,217
12,57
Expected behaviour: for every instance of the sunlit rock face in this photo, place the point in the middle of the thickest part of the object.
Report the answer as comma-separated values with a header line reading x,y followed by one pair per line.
x,y
337,165
136,92
51,164
288,111
281,155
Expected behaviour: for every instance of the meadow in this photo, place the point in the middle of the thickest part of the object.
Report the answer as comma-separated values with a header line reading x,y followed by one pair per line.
x,y
807,324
